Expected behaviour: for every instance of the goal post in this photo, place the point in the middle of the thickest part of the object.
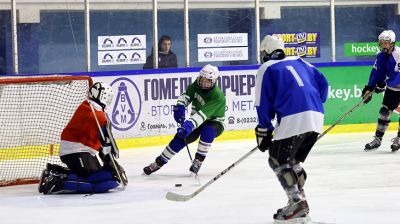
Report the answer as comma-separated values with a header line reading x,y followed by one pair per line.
x,y
33,112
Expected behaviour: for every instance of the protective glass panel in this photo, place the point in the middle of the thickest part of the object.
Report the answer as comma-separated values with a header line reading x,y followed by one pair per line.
x,y
51,36
304,29
358,27
5,38
220,35
170,33
121,34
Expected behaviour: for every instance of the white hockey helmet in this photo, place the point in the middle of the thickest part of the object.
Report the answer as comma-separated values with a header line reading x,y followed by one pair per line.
x,y
387,35
271,43
101,93
387,40
208,76
272,47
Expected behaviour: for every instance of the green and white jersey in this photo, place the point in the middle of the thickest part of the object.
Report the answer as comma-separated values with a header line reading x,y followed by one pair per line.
x,y
205,105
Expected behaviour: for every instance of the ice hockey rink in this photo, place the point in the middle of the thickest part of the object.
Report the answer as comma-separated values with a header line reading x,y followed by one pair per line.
x,y
345,185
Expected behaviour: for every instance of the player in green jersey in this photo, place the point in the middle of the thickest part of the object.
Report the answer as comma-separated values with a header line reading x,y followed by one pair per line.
x,y
206,120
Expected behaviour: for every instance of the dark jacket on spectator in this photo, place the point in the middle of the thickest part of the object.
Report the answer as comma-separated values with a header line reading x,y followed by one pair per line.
x,y
165,60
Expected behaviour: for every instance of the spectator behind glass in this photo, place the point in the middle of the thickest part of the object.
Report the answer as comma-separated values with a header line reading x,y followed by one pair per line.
x,y
166,58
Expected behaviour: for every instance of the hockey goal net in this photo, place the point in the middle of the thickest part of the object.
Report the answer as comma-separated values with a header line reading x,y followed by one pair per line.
x,y
33,113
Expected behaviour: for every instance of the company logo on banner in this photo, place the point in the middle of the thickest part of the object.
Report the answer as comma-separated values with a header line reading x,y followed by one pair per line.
x,y
303,44
123,42
127,104
222,47
222,40
223,54
121,50
121,57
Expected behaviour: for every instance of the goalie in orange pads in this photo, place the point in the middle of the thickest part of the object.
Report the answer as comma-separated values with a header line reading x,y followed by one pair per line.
x,y
82,143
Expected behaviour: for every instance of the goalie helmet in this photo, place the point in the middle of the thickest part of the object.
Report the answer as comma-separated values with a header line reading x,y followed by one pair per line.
x,y
101,93
387,40
272,48
208,77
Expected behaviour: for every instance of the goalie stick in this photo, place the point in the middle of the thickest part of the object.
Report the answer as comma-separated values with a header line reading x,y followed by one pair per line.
x,y
178,197
113,162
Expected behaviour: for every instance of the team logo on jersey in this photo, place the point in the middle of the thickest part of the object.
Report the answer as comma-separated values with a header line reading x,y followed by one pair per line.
x,y
127,104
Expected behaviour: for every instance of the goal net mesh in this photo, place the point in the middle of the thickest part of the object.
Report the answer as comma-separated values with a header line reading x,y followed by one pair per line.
x,y
33,113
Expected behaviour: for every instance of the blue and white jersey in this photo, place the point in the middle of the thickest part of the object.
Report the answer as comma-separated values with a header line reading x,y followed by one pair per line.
x,y
293,91
386,66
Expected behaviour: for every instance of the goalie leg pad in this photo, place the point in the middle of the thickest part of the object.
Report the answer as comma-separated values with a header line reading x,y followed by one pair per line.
x,y
82,164
104,186
98,182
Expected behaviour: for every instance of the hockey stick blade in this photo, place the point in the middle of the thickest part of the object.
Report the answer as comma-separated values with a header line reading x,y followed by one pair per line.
x,y
179,197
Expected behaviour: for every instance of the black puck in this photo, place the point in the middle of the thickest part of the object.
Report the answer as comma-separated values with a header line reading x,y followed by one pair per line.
x,y
178,185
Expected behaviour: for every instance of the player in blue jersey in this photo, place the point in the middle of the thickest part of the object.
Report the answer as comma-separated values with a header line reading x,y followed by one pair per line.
x,y
385,71
293,91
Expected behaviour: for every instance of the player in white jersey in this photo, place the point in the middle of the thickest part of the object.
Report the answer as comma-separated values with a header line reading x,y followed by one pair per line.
x,y
293,91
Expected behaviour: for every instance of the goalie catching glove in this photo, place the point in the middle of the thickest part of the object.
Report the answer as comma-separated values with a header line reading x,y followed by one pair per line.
x,y
264,138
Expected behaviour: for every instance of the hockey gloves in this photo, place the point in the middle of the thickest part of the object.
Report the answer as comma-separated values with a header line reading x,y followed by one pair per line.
x,y
264,138
185,130
380,87
366,93
179,113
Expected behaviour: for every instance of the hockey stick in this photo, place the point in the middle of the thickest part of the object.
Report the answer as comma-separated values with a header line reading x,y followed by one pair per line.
x,y
187,147
179,197
115,167
346,114
190,155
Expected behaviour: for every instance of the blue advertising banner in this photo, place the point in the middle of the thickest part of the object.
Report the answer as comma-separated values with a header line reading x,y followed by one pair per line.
x,y
303,44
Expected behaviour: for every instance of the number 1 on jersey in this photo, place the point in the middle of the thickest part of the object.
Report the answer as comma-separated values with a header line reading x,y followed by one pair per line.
x,y
295,75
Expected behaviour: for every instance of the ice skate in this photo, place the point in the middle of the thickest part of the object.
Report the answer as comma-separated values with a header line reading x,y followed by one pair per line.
x,y
396,144
195,167
43,180
376,143
153,167
293,210
51,182
57,168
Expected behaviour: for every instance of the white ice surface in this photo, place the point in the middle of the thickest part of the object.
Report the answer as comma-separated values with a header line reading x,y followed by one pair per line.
x,y
345,185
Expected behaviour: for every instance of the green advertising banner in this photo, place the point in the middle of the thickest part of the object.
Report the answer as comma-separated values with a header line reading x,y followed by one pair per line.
x,y
362,49
345,87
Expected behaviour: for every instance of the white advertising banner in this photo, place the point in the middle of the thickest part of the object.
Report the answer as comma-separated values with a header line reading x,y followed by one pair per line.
x,y
142,104
223,54
121,57
124,42
222,40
